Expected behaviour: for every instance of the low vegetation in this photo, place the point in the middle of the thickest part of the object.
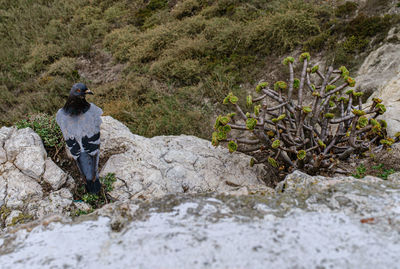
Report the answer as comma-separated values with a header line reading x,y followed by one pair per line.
x,y
378,170
47,128
180,57
311,123
96,200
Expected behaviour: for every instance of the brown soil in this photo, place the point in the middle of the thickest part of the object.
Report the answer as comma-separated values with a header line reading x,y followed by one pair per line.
x,y
98,67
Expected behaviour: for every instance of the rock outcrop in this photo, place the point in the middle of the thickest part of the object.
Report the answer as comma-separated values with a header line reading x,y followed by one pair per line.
x,y
24,172
379,76
153,167
390,94
33,186
338,222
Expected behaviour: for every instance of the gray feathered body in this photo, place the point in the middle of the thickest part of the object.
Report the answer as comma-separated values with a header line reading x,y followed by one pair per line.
x,y
82,136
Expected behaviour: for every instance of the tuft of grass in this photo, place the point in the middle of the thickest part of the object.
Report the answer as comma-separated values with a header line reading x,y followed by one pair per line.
x,y
378,170
21,218
4,213
93,200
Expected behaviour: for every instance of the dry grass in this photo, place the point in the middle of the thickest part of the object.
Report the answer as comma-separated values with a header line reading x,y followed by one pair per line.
x,y
180,56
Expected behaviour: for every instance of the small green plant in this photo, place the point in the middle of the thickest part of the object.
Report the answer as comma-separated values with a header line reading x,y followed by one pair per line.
x,y
360,171
107,181
96,200
383,172
47,128
91,199
346,9
80,212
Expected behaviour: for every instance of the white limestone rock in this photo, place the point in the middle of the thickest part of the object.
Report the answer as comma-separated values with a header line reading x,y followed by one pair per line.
x,y
54,175
394,177
82,206
5,133
25,148
3,156
153,167
70,183
21,189
20,141
58,202
10,218
31,162
390,94
117,138
379,76
3,189
378,69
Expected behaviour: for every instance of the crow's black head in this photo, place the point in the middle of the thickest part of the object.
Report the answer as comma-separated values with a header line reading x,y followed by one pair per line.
x,y
79,90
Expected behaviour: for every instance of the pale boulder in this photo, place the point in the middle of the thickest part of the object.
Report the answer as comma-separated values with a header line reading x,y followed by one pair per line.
x,y
20,141
379,68
54,175
58,202
21,190
390,95
153,167
31,162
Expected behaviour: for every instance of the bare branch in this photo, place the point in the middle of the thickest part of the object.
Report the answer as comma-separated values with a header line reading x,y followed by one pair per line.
x,y
320,75
240,111
302,79
334,80
248,141
259,98
291,81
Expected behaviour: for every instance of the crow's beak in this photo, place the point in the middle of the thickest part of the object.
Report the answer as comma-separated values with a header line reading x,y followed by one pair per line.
x,y
88,92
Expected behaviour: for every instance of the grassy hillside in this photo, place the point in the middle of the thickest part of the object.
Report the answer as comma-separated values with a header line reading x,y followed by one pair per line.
x,y
177,58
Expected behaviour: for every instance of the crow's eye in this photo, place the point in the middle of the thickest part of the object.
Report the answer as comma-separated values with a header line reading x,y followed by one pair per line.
x,y
78,90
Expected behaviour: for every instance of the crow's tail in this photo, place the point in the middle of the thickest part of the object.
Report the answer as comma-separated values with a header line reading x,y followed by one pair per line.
x,y
93,186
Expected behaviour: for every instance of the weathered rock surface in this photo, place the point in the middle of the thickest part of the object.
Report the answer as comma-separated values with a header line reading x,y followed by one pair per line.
x,y
58,202
145,168
54,175
316,222
390,159
379,76
21,189
380,67
153,167
24,167
390,94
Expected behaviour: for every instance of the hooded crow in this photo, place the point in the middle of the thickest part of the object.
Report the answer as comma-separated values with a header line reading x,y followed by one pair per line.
x,y
80,124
